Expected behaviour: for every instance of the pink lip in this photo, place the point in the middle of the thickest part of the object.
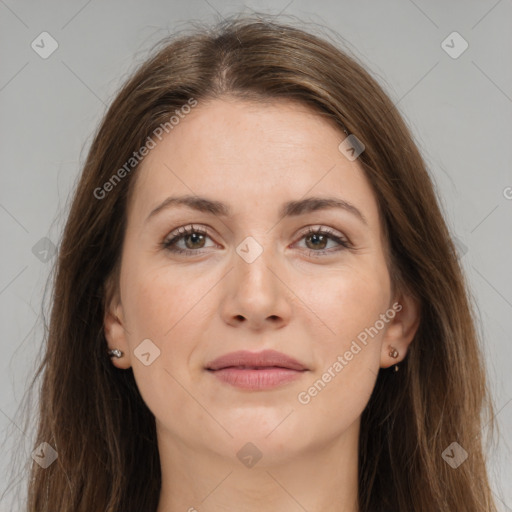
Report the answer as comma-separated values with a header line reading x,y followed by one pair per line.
x,y
256,371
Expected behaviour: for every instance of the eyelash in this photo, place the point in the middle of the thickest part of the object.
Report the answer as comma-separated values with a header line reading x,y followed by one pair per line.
x,y
189,230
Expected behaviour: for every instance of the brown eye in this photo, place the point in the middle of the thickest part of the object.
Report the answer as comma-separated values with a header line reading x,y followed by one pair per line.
x,y
317,239
193,238
196,241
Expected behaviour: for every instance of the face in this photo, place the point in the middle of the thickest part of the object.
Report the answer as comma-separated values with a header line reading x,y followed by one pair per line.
x,y
310,282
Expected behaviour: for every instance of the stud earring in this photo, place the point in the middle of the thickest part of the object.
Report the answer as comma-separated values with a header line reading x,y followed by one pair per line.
x,y
115,353
393,352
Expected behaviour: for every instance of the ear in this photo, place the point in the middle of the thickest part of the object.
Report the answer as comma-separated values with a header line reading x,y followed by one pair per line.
x,y
401,329
114,325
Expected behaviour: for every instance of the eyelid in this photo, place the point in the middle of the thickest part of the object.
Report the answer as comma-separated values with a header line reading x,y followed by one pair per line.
x,y
181,232
315,228
342,240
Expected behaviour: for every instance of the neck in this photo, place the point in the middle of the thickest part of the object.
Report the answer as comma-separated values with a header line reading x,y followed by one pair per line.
x,y
322,478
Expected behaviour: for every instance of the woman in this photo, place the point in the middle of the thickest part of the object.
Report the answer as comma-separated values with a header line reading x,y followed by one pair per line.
x,y
257,304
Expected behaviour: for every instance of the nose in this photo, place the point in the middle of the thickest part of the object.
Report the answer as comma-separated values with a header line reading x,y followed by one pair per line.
x,y
256,294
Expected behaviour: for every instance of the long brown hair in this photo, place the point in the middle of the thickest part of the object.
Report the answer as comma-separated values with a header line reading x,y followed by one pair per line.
x,y
92,414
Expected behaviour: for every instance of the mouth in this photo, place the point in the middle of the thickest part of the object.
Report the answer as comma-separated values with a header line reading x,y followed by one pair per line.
x,y
256,371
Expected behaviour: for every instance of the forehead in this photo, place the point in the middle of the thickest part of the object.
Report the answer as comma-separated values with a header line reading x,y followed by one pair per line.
x,y
251,155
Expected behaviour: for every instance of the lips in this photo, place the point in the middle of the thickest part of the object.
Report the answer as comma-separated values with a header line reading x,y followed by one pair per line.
x,y
265,360
261,371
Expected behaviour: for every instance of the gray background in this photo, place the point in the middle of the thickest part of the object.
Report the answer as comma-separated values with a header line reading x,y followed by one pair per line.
x,y
458,109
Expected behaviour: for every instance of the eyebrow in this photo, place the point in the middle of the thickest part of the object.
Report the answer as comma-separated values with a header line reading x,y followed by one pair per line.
x,y
288,209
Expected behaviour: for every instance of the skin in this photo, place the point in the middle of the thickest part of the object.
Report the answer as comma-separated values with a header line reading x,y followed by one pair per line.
x,y
194,308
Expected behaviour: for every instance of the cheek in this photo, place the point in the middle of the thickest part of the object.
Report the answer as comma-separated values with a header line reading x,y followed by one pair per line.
x,y
350,304
350,301
158,302
155,311
348,360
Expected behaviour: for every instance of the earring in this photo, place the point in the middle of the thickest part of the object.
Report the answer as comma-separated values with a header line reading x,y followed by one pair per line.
x,y
393,352
115,353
